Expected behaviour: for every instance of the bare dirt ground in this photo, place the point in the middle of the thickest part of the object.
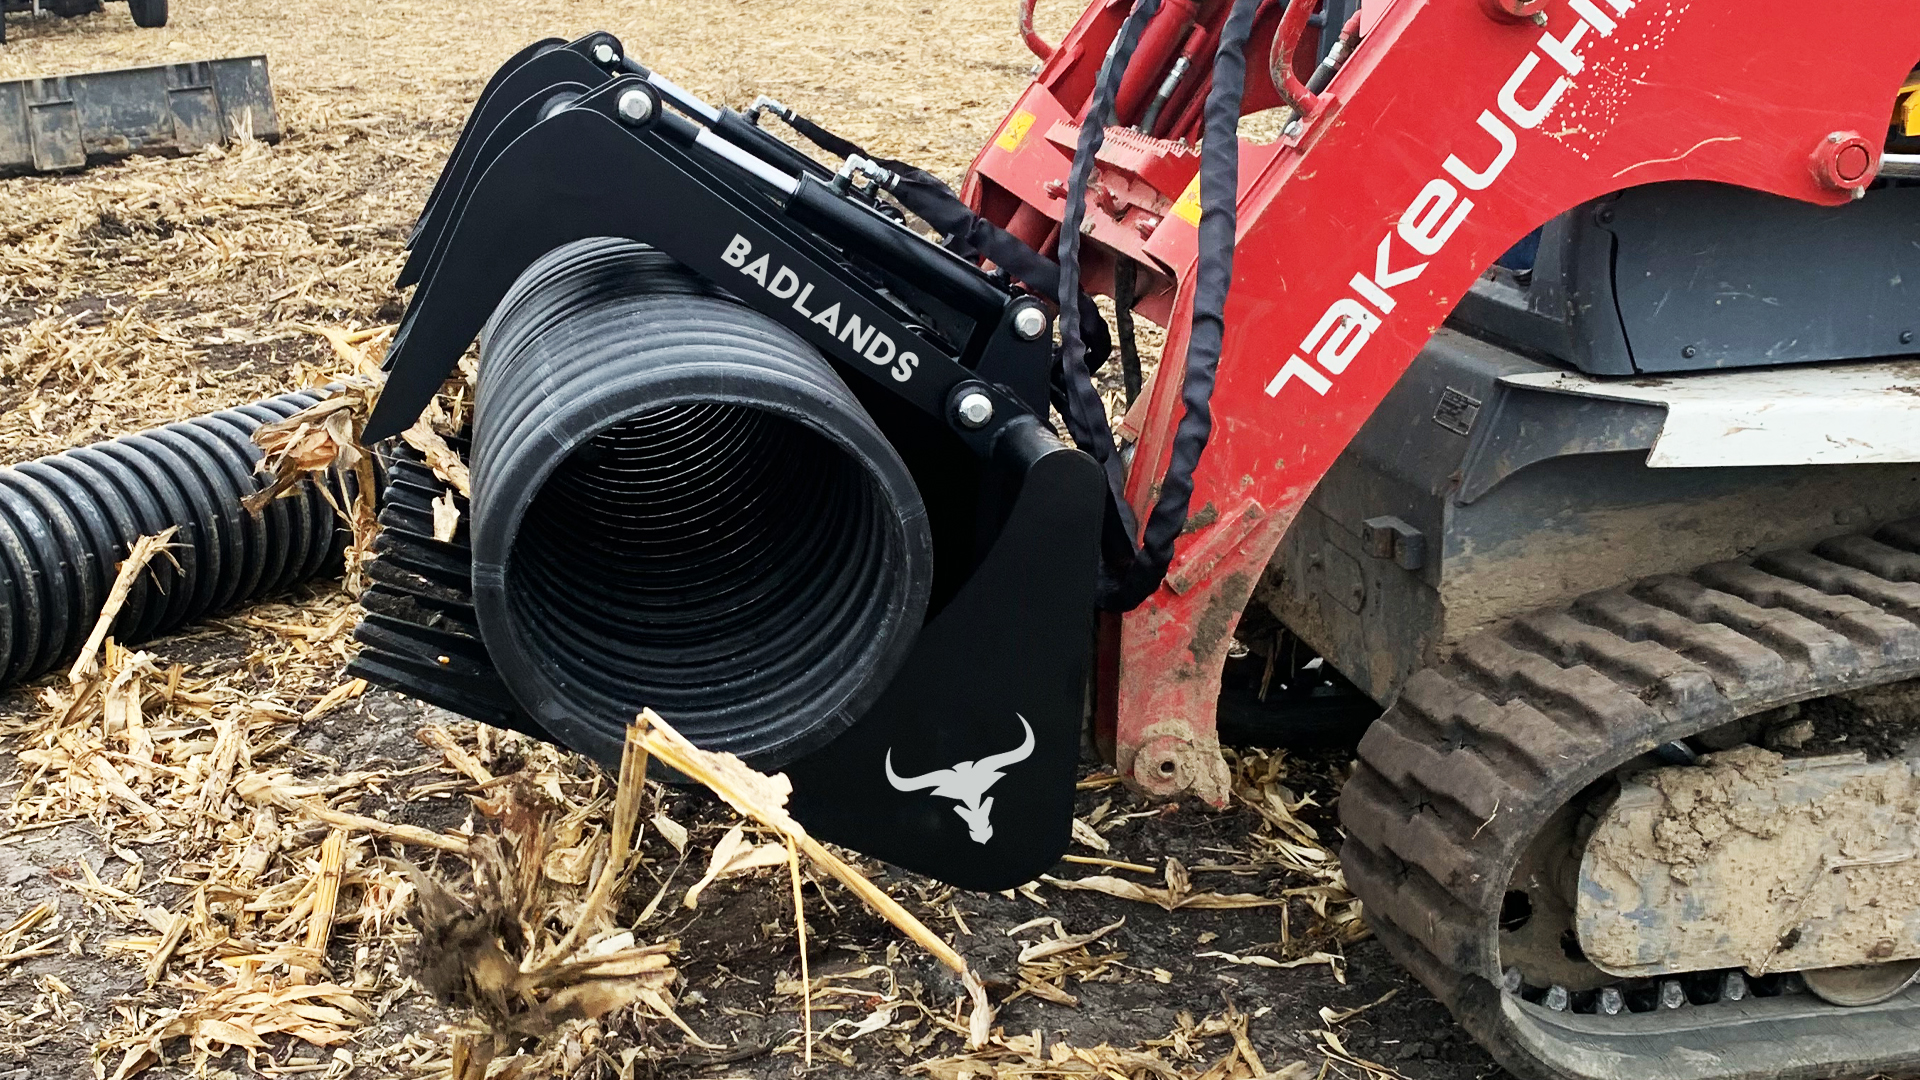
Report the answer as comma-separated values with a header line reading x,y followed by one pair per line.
x,y
162,881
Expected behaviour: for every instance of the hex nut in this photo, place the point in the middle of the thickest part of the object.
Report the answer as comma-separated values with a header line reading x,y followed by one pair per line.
x,y
974,409
635,107
1030,322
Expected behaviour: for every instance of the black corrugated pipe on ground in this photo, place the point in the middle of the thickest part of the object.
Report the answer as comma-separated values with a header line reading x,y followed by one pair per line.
x,y
677,504
67,520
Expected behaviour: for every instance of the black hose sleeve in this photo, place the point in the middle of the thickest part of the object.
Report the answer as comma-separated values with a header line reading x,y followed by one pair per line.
x,y
1126,284
1086,414
743,133
1219,195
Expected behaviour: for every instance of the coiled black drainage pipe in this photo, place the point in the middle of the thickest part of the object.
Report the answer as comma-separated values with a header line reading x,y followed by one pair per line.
x,y
67,520
677,504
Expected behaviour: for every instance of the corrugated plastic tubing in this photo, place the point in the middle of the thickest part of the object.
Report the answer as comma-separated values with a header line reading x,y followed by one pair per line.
x,y
678,504
67,521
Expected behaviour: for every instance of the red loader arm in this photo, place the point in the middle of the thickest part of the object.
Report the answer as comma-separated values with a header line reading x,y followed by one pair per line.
x,y
1457,127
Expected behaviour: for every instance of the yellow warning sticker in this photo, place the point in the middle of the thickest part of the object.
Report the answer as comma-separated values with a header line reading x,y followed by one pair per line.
x,y
1015,132
1187,206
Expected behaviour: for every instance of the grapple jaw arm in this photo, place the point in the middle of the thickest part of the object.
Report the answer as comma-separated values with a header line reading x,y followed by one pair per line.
x,y
558,168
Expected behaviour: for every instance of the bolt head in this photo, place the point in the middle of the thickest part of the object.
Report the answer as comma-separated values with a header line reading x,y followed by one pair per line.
x,y
635,107
1030,322
1906,337
1845,160
603,53
974,409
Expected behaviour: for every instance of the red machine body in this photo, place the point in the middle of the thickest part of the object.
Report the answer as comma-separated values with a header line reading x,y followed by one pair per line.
x,y
1456,128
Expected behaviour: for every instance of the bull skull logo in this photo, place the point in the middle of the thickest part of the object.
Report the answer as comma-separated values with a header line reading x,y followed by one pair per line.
x,y
967,784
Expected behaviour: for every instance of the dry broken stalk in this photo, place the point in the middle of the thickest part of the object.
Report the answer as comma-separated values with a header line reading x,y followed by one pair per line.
x,y
494,952
800,930
326,900
626,819
138,556
258,789
763,798
322,442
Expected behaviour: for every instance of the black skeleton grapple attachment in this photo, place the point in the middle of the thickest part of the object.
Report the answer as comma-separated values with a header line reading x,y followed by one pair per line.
x,y
746,450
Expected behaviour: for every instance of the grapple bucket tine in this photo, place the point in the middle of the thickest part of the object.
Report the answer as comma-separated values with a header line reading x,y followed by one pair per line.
x,y
499,76
535,80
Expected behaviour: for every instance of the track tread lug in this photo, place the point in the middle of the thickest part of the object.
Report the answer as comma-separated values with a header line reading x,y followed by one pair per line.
x,y
1860,622
1804,642
1654,672
1899,599
1904,535
1732,657
1872,556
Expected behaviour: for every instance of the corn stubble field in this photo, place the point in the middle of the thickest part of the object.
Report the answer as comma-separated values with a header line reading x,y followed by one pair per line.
x,y
219,856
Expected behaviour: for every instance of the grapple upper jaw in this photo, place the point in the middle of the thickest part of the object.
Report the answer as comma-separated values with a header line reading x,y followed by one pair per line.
x,y
514,63
546,187
535,74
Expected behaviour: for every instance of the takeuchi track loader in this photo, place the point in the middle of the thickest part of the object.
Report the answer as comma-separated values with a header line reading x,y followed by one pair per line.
x,y
1546,371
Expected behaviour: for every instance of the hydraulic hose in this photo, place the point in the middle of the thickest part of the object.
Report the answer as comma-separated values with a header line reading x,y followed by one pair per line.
x,y
67,521
1133,574
679,505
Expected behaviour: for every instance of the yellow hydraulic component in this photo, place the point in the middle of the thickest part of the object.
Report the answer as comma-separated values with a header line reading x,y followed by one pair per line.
x,y
1906,109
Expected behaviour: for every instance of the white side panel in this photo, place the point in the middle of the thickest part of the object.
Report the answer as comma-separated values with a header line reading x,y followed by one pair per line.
x,y
1849,414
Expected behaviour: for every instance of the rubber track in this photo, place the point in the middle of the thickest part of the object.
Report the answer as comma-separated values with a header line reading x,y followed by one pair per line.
x,y
1467,766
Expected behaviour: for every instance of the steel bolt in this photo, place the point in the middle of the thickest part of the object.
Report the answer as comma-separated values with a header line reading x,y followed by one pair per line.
x,y
1733,987
1557,999
1030,322
1512,981
974,409
1689,352
1906,337
635,107
1611,1001
1516,10
603,53
1845,161
1672,994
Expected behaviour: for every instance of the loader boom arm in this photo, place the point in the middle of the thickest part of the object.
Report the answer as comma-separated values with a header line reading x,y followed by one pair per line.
x,y
1455,129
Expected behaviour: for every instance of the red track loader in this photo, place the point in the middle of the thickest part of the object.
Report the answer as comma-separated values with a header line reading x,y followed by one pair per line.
x,y
1543,370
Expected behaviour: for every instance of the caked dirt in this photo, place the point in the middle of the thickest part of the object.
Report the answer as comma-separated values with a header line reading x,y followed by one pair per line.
x,y
1758,861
